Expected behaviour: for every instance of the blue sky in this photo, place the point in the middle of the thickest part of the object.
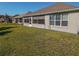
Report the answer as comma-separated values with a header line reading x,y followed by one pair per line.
x,y
12,8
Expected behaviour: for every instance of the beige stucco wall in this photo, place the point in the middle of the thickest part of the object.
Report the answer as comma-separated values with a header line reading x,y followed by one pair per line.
x,y
34,25
13,20
73,25
47,24
38,25
78,23
73,22
25,24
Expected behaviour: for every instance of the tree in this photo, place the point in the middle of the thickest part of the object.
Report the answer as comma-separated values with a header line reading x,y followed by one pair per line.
x,y
15,15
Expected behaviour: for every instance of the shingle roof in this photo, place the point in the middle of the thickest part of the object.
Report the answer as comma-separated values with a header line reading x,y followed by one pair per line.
x,y
29,14
52,9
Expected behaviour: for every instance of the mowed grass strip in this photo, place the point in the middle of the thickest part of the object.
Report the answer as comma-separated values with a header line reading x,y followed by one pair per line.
x,y
27,41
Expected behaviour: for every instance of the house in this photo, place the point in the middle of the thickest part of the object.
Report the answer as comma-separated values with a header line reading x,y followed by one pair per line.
x,y
6,18
58,17
18,19
2,20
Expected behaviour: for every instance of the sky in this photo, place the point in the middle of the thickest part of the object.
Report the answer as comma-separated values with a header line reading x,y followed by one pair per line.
x,y
13,8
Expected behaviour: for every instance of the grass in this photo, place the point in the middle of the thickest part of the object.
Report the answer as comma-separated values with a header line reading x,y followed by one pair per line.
x,y
20,40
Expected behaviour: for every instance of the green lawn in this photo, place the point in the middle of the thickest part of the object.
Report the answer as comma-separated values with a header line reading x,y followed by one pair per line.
x,y
20,40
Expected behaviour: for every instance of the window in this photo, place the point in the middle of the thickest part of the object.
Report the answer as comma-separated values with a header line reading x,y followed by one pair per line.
x,y
65,19
52,19
34,20
39,20
57,23
20,20
55,19
16,20
58,16
59,19
27,20
52,22
64,23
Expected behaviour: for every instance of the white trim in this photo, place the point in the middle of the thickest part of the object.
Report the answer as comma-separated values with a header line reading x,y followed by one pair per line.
x,y
61,15
65,10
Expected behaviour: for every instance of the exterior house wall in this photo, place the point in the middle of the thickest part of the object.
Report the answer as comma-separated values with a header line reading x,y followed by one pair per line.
x,y
13,20
2,19
38,25
25,24
59,28
78,23
73,22
78,26
47,25
73,25
34,25
18,21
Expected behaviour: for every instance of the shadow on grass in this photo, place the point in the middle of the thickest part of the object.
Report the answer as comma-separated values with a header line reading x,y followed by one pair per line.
x,y
5,28
4,32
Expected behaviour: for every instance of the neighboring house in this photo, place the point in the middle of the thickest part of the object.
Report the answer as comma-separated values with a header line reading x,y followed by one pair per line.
x,y
18,19
58,17
6,18
2,20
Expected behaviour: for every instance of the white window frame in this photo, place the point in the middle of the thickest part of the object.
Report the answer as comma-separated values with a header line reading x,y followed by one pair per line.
x,y
61,19
65,14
